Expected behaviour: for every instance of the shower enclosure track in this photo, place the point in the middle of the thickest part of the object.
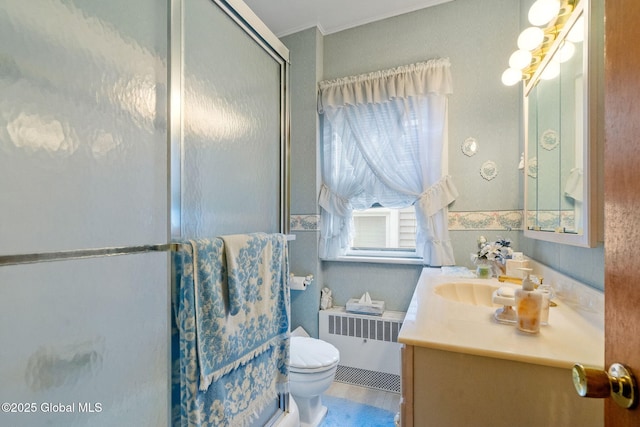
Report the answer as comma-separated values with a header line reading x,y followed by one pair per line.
x,y
88,253
33,258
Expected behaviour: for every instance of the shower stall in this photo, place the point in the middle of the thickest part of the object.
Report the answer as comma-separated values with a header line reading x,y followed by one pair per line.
x,y
123,126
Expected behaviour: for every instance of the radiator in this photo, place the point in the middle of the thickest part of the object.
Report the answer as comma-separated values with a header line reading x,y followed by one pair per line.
x,y
368,345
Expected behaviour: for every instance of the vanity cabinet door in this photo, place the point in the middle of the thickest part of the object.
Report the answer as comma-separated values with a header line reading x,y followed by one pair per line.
x,y
448,388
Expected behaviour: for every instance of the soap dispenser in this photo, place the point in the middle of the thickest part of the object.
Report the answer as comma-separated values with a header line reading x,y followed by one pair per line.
x,y
528,305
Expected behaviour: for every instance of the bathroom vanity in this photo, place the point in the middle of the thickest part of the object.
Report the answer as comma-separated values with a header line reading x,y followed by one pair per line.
x,y
461,367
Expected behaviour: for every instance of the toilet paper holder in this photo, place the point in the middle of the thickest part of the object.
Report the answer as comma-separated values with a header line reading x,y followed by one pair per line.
x,y
300,283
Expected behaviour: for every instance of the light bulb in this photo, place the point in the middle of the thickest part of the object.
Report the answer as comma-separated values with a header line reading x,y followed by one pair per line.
x,y
543,11
551,71
520,59
566,51
530,38
576,34
511,76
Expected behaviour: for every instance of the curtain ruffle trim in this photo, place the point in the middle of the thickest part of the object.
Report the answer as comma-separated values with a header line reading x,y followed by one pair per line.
x,y
438,253
433,76
438,196
333,203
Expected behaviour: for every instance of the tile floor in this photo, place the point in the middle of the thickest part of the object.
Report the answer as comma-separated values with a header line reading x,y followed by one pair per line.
x,y
381,399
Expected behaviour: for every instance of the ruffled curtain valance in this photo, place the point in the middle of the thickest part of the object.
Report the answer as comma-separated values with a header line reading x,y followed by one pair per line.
x,y
433,76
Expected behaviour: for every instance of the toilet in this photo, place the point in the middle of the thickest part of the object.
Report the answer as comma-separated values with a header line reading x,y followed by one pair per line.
x,y
312,368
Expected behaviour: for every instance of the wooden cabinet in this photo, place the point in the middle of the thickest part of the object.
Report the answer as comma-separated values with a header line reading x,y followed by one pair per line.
x,y
444,388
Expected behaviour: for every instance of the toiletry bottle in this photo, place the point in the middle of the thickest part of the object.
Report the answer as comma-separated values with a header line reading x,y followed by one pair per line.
x,y
528,305
547,295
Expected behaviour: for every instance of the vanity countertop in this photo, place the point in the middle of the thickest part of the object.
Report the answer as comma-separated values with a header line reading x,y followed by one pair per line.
x,y
574,334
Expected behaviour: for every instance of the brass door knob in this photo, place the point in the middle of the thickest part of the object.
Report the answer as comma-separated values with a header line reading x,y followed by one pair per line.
x,y
618,383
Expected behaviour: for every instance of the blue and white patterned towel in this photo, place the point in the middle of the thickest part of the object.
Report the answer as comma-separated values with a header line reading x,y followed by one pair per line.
x,y
240,361
252,269
256,266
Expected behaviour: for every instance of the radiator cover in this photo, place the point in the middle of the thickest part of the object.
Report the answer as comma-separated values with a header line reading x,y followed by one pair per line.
x,y
368,345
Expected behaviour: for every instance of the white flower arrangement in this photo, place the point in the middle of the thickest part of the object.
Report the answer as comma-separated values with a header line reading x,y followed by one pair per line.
x,y
493,252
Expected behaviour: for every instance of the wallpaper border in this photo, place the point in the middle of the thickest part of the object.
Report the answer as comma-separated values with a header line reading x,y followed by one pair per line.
x,y
458,221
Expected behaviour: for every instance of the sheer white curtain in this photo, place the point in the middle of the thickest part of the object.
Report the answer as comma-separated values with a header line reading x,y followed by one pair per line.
x,y
384,140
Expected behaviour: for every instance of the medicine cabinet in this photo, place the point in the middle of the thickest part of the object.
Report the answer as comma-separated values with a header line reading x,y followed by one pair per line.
x,y
564,136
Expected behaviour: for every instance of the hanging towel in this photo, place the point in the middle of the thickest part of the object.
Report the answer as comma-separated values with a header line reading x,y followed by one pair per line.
x,y
573,186
255,267
202,275
227,367
234,399
256,264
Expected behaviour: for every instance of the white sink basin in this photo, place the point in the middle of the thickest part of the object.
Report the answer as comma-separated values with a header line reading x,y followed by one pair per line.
x,y
467,293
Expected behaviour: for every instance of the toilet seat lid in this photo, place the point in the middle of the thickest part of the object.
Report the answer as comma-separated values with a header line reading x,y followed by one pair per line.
x,y
312,354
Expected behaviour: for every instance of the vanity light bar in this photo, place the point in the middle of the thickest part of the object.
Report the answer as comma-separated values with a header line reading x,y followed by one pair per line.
x,y
551,33
534,44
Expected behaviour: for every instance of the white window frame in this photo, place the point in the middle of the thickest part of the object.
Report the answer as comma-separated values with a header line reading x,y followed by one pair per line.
x,y
391,254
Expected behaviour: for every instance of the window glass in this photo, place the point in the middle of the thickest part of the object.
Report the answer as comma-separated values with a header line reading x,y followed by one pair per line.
x,y
384,229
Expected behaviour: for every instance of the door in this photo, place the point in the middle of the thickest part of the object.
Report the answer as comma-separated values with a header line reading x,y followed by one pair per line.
x,y
622,195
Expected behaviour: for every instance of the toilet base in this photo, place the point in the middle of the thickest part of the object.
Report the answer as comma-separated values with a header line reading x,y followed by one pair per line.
x,y
311,410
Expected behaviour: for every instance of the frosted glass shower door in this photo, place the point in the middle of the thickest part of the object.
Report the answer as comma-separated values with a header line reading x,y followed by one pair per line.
x,y
231,166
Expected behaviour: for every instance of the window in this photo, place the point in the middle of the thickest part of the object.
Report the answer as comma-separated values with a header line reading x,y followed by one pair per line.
x,y
384,229
383,143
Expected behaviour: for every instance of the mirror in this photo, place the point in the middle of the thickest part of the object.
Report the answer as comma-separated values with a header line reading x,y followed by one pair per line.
x,y
562,125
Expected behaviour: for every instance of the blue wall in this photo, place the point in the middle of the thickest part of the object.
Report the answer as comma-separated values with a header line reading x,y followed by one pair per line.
x,y
306,71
